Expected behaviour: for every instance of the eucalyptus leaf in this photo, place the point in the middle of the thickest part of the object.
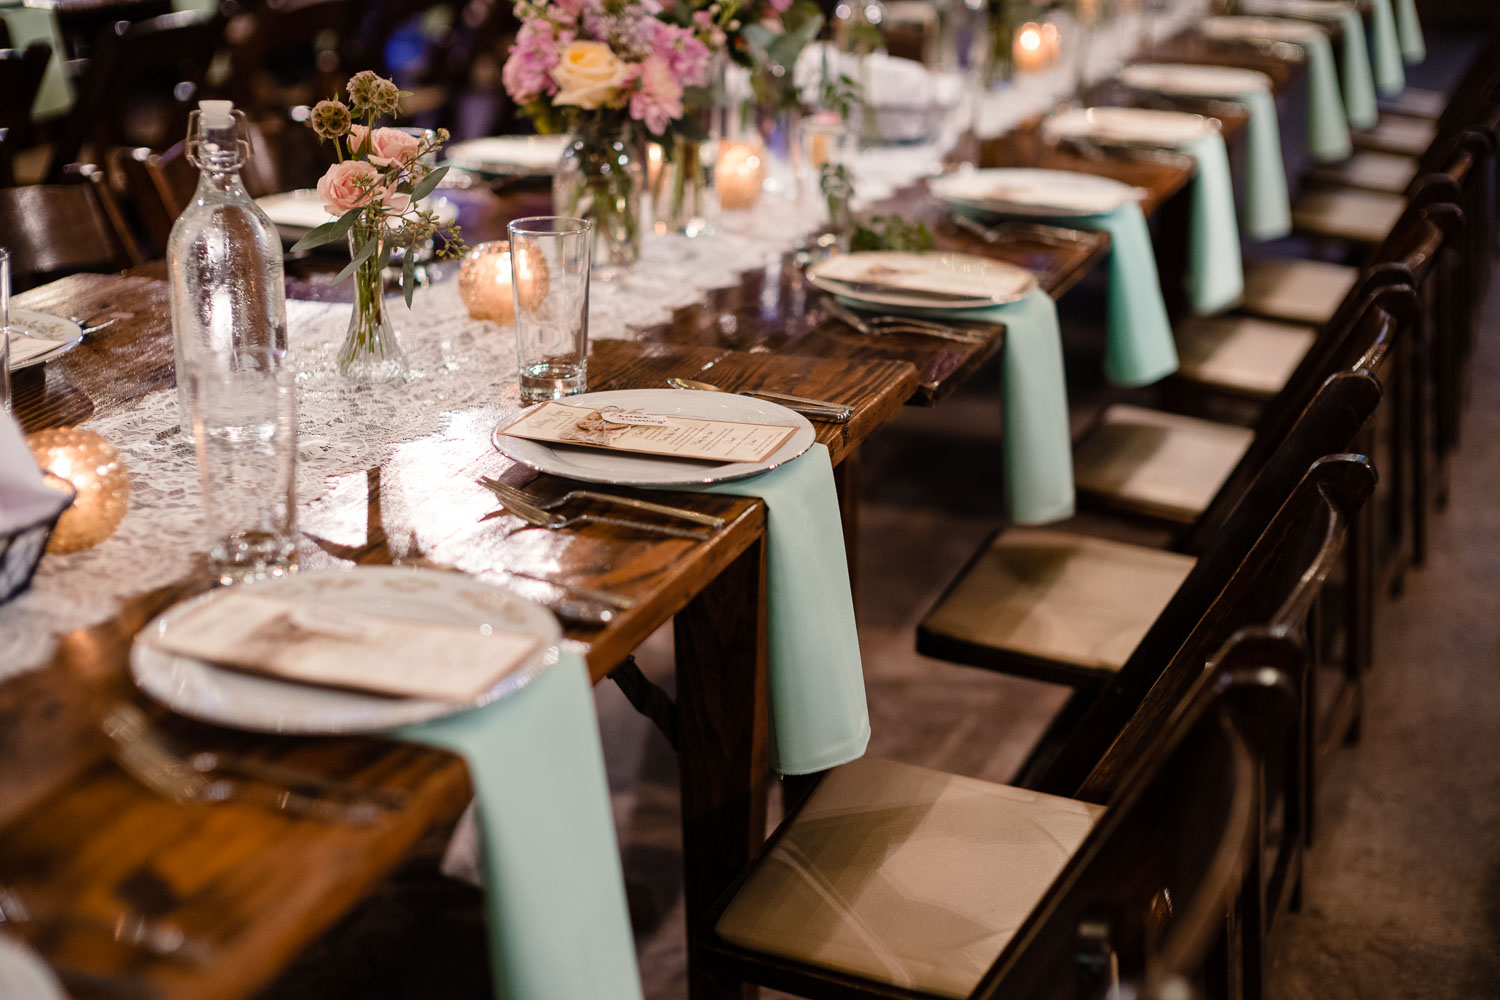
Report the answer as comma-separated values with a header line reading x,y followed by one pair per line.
x,y
428,183
409,276
361,254
328,231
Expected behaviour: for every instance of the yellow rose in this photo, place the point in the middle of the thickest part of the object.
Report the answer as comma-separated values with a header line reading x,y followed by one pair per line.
x,y
588,75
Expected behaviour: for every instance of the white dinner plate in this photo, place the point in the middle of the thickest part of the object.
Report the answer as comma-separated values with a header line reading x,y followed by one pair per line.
x,y
1188,80
1041,193
295,213
1130,126
1275,29
598,465
978,280
523,155
263,704
23,974
53,334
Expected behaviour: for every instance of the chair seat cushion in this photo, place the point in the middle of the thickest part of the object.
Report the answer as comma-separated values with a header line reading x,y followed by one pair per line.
x,y
1298,291
1241,353
906,876
1071,599
1399,134
1158,463
1371,170
1359,216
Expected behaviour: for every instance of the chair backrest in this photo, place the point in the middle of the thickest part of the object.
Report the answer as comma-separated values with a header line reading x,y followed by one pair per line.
x,y
57,229
159,186
1238,579
20,79
291,55
140,85
1468,103
1146,893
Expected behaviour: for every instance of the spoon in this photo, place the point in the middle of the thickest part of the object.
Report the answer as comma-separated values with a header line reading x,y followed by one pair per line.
x,y
820,408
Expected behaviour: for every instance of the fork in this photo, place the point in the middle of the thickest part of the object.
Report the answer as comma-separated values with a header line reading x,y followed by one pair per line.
x,y
504,490
535,516
1036,232
136,750
155,937
879,325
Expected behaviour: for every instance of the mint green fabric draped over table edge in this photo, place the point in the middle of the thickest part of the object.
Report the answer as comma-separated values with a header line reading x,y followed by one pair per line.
x,y
814,675
1215,277
1409,27
37,24
1267,210
1358,81
558,923
1385,49
1327,128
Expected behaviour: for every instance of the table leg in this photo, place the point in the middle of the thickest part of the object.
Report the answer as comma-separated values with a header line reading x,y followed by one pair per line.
x,y
847,480
722,713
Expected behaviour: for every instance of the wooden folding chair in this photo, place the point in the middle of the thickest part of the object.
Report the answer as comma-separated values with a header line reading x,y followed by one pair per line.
x,y
139,86
894,881
20,80
57,229
292,54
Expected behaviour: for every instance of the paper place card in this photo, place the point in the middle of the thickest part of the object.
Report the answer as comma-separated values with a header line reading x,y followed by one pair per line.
x,y
335,647
23,349
617,429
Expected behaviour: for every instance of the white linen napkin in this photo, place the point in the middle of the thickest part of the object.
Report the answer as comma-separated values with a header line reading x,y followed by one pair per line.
x,y
25,499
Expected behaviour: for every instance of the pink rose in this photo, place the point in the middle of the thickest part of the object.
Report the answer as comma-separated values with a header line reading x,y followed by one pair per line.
x,y
658,99
355,184
779,6
388,146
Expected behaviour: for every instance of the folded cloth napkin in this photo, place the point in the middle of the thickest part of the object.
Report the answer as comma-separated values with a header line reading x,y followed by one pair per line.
x,y
1215,273
555,896
1267,212
1327,127
815,678
25,498
1358,82
1038,442
39,24
1385,49
1413,46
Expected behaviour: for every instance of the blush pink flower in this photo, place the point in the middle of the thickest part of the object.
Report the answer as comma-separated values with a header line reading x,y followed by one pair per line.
x,y
528,68
684,54
356,184
657,100
388,146
779,6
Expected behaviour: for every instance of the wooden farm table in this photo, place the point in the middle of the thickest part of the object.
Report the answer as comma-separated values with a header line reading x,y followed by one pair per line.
x,y
78,835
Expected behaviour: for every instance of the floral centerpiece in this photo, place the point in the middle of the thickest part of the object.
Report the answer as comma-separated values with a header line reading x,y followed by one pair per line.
x,y
374,190
608,72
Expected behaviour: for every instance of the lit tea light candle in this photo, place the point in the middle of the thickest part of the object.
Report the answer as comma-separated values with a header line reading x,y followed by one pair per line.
x,y
1030,49
655,157
484,282
97,473
739,174
1051,42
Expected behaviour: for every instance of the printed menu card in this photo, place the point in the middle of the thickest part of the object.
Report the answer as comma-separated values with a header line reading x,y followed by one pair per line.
x,y
650,433
336,647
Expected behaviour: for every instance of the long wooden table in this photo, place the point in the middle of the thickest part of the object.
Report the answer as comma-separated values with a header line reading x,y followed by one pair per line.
x,y
79,836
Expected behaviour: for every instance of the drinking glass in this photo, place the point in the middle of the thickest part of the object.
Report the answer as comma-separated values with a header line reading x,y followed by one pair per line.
x,y
245,429
4,330
549,262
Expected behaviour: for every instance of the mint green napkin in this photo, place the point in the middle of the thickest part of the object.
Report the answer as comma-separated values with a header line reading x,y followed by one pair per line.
x,y
1385,48
37,24
1358,82
1215,273
1327,128
1413,47
1139,349
813,671
554,892
1266,213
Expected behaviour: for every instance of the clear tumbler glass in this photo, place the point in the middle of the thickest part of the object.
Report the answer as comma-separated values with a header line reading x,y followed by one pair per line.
x,y
549,260
245,429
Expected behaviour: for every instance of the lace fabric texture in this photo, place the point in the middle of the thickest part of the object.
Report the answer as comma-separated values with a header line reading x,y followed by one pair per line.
x,y
463,381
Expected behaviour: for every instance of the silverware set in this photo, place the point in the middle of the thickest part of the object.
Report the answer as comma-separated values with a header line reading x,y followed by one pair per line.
x,y
142,752
539,515
820,409
158,938
1138,154
875,326
1011,230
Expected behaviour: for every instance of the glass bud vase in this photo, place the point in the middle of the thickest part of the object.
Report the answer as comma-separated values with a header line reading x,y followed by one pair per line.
x,y
682,194
370,352
601,177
